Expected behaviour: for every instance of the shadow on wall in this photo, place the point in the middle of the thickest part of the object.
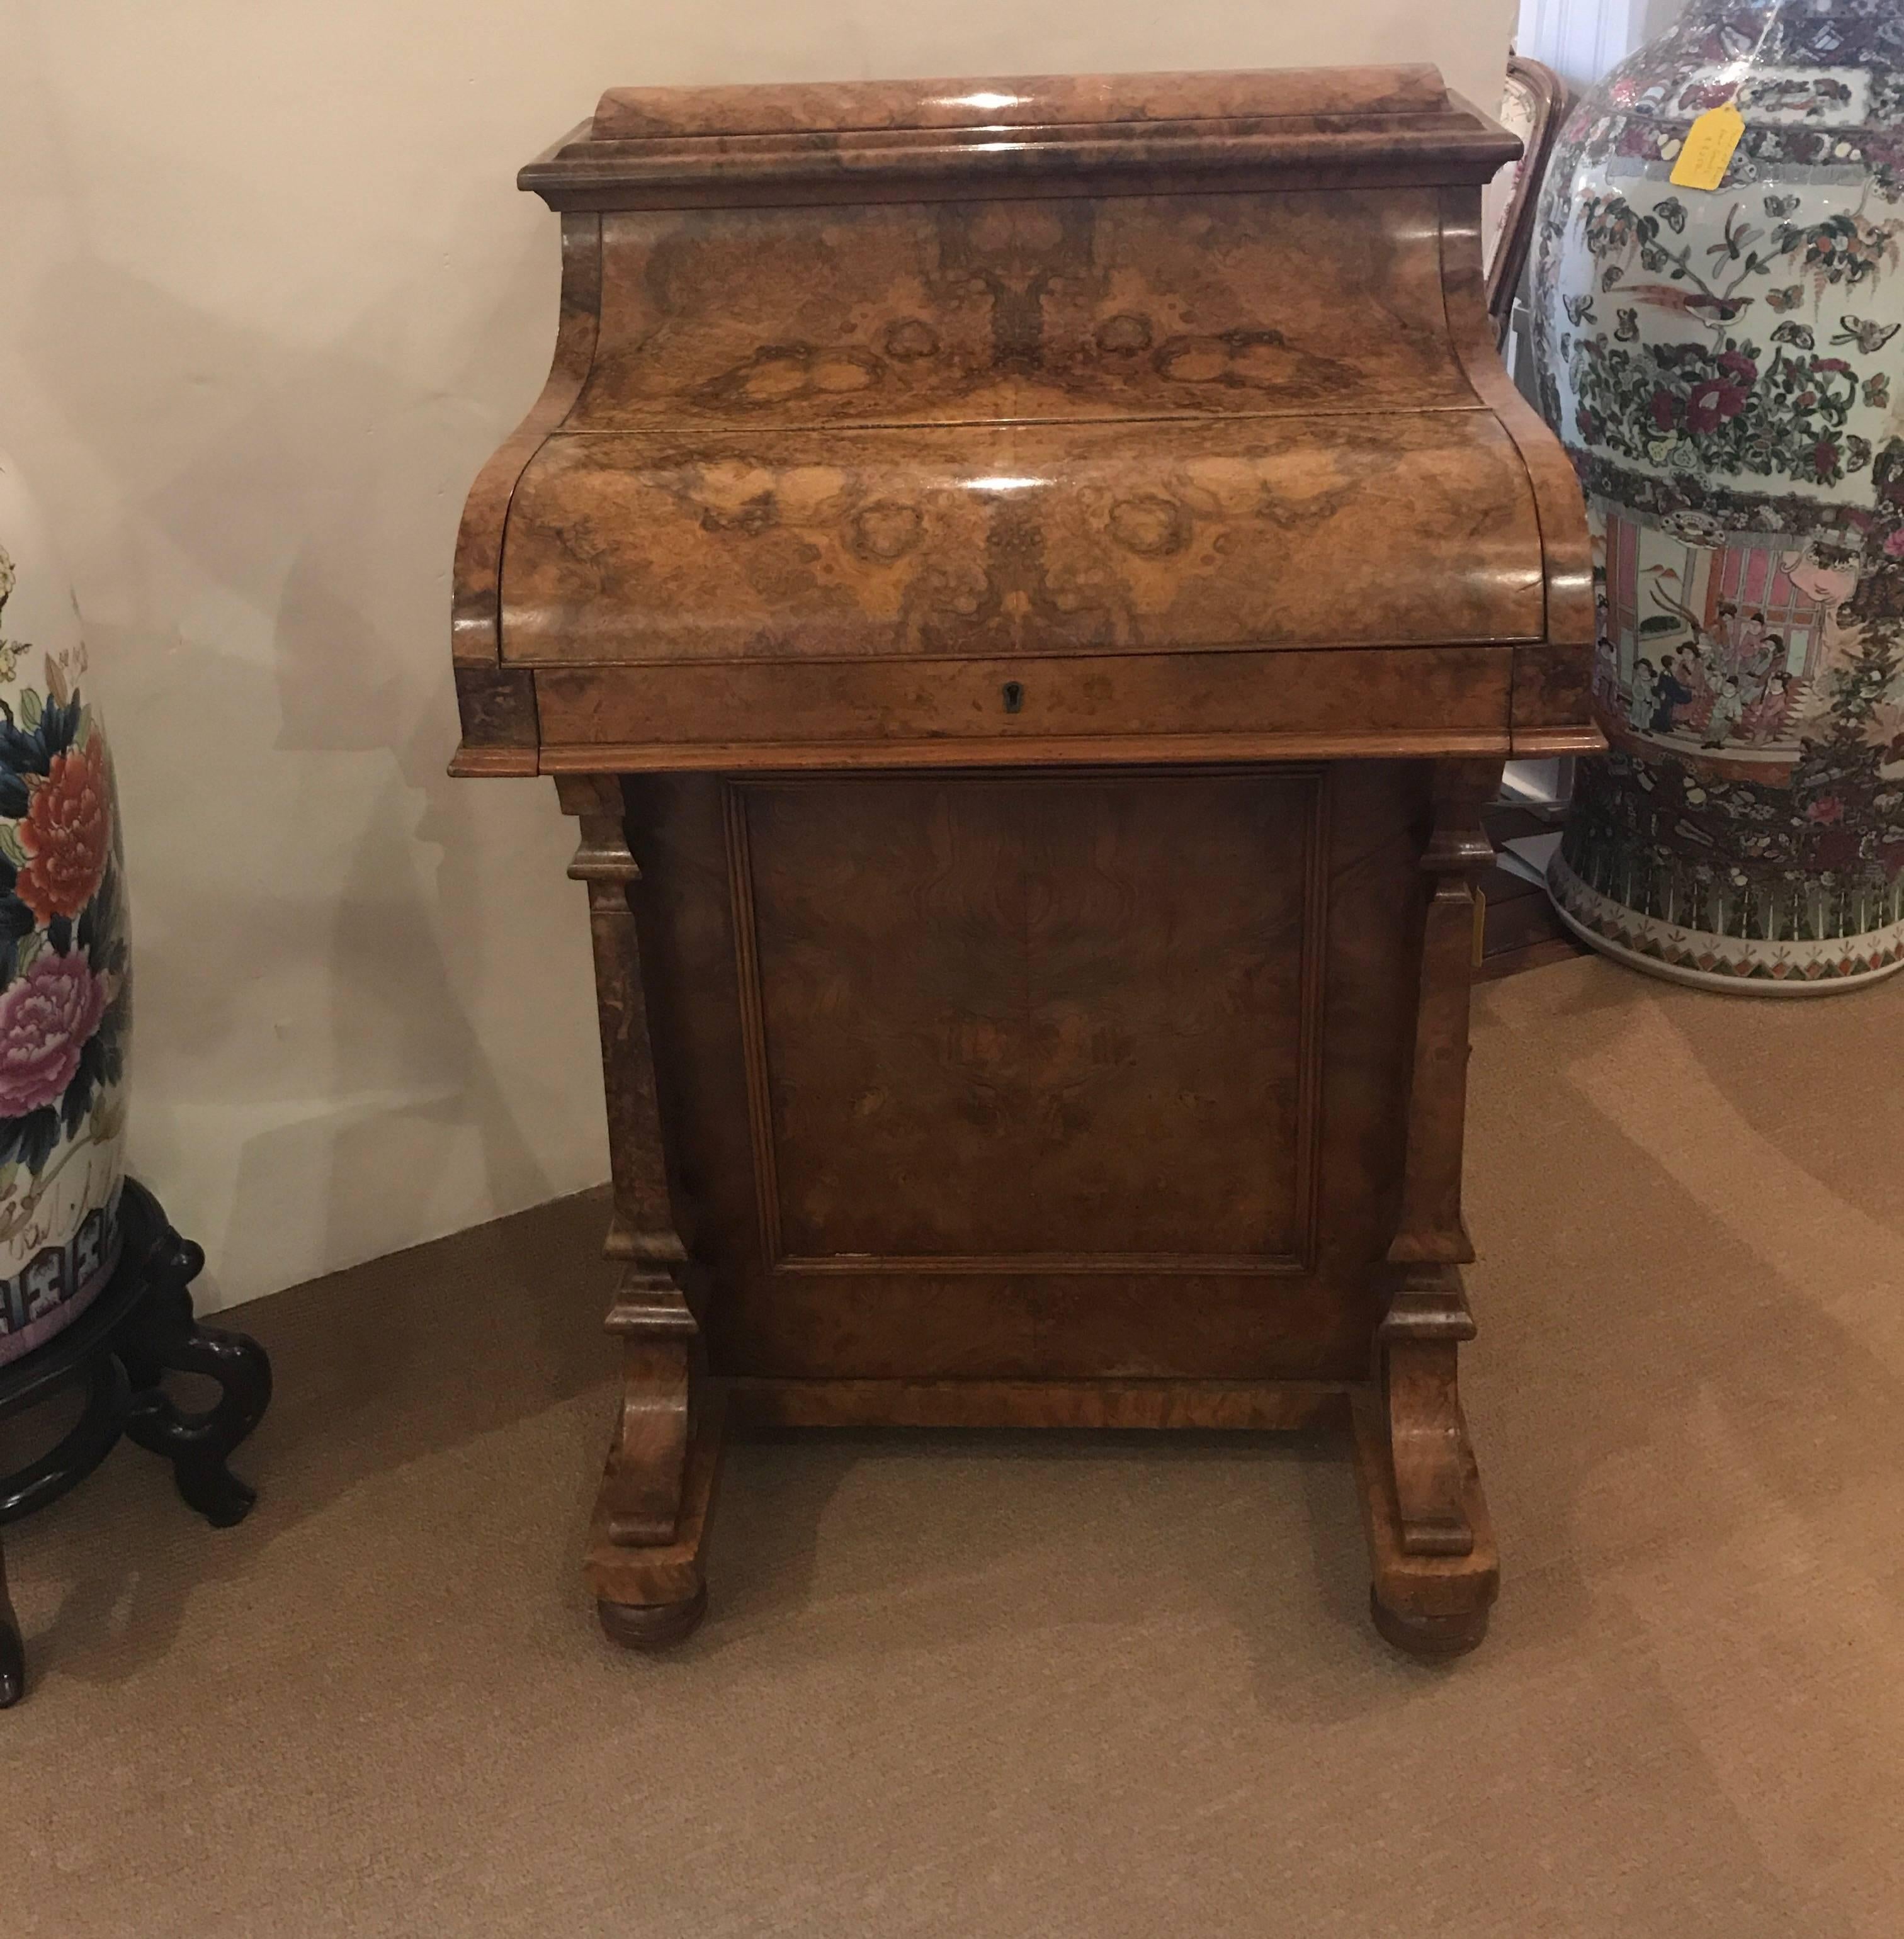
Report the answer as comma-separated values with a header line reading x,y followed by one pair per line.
x,y
352,971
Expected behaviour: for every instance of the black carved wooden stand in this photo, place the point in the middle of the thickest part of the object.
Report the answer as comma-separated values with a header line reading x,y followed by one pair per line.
x,y
140,1328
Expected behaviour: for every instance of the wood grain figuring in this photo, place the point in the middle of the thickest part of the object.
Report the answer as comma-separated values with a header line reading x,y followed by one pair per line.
x,y
807,108
981,312
474,639
1080,1008
1081,1305
1398,126
1550,695
1026,587
1087,538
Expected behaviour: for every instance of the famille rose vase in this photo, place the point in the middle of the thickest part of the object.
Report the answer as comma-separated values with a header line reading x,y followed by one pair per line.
x,y
1726,367
64,996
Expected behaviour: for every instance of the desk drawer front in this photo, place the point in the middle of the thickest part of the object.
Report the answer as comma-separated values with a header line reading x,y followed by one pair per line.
x,y
995,703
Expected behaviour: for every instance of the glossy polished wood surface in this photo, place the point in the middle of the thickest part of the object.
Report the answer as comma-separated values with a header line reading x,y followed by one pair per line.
x,y
1026,586
967,312
1038,539
1020,101
926,432
911,140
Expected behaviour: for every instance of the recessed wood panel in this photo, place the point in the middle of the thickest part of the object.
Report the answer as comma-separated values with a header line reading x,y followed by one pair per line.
x,y
1074,1304
990,1016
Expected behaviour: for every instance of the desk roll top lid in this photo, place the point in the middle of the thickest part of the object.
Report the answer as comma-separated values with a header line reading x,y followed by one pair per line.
x,y
911,423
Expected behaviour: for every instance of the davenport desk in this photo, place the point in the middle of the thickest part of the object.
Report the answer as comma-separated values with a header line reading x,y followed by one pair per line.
x,y
1026,586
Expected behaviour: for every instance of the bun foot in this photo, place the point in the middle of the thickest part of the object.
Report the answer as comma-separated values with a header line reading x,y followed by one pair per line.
x,y
653,1626
1433,1639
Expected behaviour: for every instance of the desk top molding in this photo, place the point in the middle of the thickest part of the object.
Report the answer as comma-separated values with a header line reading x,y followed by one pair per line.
x,y
663,147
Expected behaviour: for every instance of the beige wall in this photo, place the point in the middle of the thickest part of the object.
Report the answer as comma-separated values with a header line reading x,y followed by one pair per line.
x,y
268,298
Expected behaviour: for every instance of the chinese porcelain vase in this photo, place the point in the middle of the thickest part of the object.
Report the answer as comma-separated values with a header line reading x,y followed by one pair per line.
x,y
65,997
1726,369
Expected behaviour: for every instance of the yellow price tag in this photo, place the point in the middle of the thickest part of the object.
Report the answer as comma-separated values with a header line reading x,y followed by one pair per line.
x,y
1711,144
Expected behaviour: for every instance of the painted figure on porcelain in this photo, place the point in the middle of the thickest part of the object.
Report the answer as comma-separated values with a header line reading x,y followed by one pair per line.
x,y
1724,366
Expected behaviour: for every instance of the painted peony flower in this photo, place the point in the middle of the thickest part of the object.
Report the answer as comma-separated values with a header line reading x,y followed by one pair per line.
x,y
47,1017
67,833
1711,404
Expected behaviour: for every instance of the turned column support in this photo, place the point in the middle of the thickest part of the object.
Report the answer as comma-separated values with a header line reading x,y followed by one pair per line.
x,y
645,1485
1435,1567
1418,1344
1431,1231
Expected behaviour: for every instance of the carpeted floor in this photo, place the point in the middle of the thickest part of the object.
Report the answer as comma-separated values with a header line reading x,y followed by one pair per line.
x,y
1114,1688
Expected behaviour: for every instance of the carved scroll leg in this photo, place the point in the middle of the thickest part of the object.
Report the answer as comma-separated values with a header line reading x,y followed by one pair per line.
x,y
644,1552
647,1460
643,1562
650,1595
1432,1605
1430,1542
13,1652
1436,1570
1419,1341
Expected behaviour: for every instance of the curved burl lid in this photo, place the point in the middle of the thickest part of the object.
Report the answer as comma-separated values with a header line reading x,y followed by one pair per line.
x,y
1168,403
650,148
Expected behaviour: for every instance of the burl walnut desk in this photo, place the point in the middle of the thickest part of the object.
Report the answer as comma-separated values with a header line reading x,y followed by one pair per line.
x,y
1026,585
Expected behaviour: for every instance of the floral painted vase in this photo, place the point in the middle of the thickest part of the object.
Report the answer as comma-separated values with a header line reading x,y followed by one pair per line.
x,y
1726,369
65,996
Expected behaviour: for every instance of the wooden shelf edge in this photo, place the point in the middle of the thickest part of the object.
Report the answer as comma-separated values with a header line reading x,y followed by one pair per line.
x,y
1273,1406
470,763
729,757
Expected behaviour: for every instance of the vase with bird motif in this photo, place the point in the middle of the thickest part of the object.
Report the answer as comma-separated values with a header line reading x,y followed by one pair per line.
x,y
1718,291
